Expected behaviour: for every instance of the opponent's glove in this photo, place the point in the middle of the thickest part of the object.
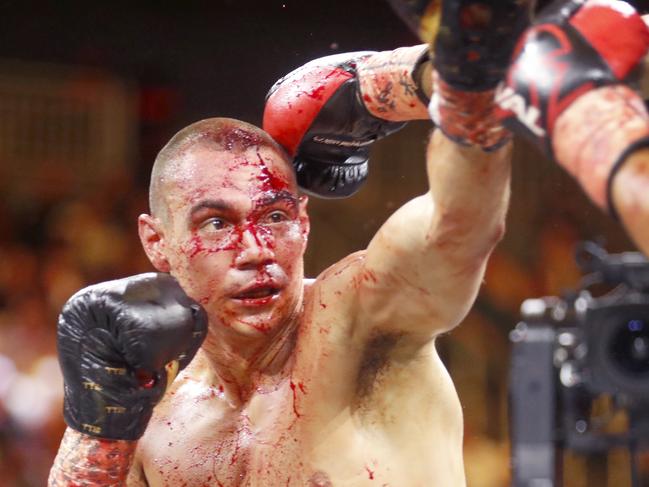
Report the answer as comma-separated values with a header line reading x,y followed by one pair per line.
x,y
120,343
471,43
329,112
573,48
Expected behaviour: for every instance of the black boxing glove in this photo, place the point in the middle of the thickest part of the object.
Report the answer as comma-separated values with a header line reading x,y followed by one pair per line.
x,y
120,343
317,113
475,41
586,55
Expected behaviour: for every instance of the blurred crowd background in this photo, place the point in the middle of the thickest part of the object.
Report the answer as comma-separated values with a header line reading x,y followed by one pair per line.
x,y
90,91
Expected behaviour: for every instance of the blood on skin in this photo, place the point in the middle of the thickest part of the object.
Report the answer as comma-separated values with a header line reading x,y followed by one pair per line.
x,y
369,275
269,180
370,473
294,390
196,245
270,183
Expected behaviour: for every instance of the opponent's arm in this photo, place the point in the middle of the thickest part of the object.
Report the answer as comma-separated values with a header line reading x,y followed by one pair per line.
x,y
120,344
630,186
571,90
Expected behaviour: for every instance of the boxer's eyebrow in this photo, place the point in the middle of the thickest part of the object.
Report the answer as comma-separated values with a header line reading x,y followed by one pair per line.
x,y
272,198
211,204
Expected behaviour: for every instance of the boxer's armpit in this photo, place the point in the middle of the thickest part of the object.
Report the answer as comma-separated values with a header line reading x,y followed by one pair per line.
x,y
83,461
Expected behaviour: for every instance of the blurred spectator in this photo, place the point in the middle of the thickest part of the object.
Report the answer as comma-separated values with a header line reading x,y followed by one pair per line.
x,y
58,242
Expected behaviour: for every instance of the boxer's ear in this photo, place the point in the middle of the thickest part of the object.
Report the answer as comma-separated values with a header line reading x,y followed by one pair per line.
x,y
153,243
305,224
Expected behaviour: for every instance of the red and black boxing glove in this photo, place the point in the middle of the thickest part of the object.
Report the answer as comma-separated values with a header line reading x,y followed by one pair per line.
x,y
569,89
327,119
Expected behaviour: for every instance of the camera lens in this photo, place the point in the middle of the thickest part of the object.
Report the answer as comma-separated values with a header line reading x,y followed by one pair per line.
x,y
629,346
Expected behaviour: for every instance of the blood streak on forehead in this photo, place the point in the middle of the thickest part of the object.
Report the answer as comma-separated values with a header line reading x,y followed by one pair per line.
x,y
240,141
270,181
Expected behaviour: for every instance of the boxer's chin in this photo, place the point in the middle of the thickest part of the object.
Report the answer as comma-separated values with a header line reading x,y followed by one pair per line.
x,y
255,326
252,321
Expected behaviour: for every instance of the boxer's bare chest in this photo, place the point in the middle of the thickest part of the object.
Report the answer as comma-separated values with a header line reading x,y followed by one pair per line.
x,y
340,416
298,436
197,437
201,440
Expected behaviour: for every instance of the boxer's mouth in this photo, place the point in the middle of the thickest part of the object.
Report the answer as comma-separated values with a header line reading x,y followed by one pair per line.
x,y
260,292
256,294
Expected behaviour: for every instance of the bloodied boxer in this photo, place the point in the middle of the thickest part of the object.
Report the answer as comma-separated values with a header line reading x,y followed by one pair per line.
x,y
329,382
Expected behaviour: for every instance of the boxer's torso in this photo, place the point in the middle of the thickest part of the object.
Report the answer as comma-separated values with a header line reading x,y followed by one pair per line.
x,y
354,410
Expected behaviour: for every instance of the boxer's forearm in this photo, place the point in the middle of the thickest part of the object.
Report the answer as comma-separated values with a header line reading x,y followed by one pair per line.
x,y
431,254
86,461
470,191
630,194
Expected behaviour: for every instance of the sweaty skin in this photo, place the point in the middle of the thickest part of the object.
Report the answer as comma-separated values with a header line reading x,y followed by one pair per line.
x,y
330,382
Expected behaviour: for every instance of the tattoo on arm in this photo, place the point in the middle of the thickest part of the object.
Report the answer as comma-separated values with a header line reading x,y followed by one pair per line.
x,y
388,85
86,461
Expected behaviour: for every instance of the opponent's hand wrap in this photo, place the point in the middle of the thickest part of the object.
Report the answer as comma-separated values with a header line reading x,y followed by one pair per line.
x,y
329,112
120,343
580,54
471,53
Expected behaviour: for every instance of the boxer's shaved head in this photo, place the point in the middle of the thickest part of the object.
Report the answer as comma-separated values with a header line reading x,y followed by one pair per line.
x,y
222,134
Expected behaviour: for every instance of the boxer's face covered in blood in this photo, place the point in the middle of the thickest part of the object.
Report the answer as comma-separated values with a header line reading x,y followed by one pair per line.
x,y
235,233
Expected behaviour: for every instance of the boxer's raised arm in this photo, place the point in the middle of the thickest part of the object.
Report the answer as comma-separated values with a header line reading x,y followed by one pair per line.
x,y
424,267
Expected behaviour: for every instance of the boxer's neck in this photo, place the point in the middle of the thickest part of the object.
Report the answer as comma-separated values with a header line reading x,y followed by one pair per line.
x,y
245,365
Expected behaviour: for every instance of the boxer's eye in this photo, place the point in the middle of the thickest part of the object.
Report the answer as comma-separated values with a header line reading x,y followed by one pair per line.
x,y
277,217
214,224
